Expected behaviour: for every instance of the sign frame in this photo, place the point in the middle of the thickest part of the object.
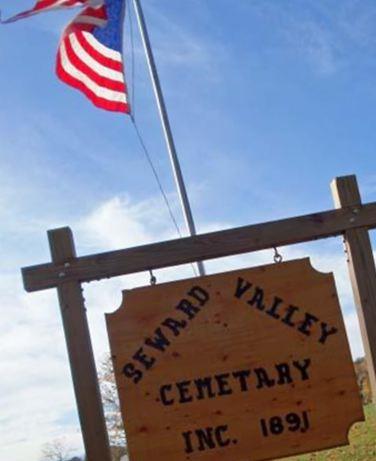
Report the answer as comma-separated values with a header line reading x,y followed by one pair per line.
x,y
352,220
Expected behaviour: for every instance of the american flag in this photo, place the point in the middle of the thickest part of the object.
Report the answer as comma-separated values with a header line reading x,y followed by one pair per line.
x,y
46,5
90,51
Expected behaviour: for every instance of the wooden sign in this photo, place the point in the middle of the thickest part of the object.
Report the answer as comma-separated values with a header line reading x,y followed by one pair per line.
x,y
246,365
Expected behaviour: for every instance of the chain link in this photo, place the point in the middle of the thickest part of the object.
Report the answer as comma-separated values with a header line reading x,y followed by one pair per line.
x,y
278,258
153,278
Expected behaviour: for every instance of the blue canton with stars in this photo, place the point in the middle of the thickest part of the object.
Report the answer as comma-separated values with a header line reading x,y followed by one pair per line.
x,y
112,34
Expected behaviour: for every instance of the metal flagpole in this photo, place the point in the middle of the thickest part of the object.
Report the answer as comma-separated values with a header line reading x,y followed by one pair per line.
x,y
166,127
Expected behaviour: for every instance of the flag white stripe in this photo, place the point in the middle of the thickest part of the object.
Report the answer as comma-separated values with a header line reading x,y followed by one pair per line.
x,y
96,3
59,2
108,53
84,19
92,63
110,95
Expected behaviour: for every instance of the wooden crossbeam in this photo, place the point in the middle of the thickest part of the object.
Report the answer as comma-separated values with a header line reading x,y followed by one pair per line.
x,y
201,247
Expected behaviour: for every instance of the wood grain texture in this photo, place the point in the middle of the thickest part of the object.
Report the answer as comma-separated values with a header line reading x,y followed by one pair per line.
x,y
232,331
201,247
80,353
362,271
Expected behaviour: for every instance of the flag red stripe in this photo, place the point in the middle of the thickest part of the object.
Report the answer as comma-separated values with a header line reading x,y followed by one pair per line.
x,y
97,101
104,82
43,5
76,28
49,3
99,13
95,54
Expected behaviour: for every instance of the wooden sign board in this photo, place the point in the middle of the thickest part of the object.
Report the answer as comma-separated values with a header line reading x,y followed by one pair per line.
x,y
246,365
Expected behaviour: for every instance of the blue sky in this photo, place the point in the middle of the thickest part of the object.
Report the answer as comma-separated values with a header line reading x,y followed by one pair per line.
x,y
269,100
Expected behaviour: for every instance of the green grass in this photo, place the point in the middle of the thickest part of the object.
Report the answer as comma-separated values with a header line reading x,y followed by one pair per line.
x,y
362,443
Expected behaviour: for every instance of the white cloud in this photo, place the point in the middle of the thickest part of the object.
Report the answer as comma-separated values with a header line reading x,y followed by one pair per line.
x,y
354,335
328,37
119,223
357,21
35,389
319,48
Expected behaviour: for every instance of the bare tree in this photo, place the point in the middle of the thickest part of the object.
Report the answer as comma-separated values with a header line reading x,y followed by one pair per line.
x,y
111,404
57,450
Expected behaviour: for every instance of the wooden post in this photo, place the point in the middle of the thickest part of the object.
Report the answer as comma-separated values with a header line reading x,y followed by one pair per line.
x,y
77,335
362,270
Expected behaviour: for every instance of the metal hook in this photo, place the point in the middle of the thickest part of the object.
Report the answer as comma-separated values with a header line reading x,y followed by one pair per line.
x,y
153,278
277,256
